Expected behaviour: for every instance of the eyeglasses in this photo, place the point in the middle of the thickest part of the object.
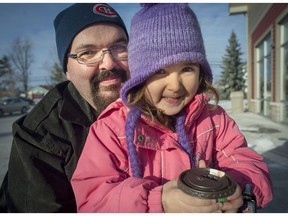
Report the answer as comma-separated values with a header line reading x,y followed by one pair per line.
x,y
93,56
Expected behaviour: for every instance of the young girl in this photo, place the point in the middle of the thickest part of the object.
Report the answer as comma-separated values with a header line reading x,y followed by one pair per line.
x,y
163,126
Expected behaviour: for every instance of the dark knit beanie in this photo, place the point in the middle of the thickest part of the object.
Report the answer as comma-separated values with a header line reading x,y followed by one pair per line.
x,y
75,18
161,35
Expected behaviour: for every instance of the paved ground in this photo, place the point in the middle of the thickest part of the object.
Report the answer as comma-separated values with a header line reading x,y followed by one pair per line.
x,y
263,135
271,141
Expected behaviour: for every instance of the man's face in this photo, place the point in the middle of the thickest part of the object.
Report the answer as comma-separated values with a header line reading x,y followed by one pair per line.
x,y
100,83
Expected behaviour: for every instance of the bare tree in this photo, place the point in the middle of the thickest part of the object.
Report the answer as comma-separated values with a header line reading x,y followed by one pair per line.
x,y
22,59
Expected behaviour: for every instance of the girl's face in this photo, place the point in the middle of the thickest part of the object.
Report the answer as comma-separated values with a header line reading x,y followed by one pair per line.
x,y
171,88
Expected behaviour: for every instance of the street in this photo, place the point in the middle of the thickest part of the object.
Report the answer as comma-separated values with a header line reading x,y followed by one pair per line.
x,y
5,142
266,137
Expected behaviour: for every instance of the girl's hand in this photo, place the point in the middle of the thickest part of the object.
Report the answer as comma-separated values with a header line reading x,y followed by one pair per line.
x,y
202,164
174,200
235,201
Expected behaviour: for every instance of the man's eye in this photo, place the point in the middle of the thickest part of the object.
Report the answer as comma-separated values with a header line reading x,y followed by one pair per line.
x,y
119,48
88,52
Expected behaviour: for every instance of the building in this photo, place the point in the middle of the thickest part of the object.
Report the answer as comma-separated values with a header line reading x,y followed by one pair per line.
x,y
267,58
36,93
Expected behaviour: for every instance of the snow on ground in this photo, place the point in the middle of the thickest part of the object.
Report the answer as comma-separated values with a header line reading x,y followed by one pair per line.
x,y
271,141
261,133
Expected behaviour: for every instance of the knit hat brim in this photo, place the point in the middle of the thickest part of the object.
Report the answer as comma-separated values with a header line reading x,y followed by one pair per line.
x,y
168,60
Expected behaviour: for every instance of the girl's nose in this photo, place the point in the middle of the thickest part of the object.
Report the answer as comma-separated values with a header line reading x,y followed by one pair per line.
x,y
174,82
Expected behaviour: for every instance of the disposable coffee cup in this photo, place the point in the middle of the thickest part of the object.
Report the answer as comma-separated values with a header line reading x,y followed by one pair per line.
x,y
207,183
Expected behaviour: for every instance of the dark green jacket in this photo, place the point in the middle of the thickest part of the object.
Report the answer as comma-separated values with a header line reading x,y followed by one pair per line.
x,y
46,146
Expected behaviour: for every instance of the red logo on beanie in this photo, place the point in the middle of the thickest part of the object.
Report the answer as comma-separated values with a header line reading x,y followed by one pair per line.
x,y
104,10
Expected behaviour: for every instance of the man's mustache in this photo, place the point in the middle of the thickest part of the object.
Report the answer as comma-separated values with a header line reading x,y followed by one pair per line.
x,y
104,74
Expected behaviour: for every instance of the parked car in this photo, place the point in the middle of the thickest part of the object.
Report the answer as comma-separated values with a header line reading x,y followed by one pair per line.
x,y
31,102
11,105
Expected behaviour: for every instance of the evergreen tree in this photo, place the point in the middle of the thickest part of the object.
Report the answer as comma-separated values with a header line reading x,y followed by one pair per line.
x,y
5,66
232,75
57,74
7,80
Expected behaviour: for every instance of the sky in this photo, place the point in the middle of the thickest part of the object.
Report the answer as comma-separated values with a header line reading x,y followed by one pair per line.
x,y
34,21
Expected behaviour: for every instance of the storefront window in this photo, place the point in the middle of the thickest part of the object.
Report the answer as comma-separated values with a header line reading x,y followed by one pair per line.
x,y
284,59
264,65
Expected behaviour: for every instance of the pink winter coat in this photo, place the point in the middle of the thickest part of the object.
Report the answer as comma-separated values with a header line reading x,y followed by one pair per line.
x,y
102,181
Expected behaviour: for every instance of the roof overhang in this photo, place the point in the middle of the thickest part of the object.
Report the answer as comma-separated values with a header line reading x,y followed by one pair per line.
x,y
238,8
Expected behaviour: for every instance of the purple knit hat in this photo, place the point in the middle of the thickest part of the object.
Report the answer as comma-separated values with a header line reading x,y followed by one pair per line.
x,y
160,35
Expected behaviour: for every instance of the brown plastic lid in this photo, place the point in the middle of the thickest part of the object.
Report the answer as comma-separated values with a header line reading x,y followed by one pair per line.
x,y
207,183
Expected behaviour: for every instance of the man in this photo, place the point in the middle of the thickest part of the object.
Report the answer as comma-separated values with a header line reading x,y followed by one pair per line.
x,y
92,48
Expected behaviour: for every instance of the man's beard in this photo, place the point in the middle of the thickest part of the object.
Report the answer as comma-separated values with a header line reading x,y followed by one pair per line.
x,y
101,101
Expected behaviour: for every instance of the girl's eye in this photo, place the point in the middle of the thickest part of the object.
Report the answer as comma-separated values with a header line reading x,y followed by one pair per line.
x,y
161,71
188,69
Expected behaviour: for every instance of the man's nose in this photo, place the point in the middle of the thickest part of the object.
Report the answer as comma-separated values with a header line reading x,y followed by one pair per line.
x,y
107,62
